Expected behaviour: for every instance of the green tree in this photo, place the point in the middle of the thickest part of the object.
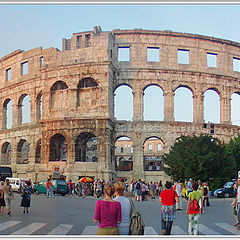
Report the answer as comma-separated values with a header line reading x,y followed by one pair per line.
x,y
233,150
200,157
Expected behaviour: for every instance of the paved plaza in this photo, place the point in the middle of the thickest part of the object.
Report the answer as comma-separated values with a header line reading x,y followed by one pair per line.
x,y
74,216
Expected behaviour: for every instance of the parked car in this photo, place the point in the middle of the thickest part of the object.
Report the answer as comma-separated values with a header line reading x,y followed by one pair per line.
x,y
59,187
226,191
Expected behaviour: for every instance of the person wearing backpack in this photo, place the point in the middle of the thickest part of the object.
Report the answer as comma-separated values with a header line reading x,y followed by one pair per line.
x,y
168,198
206,194
194,209
138,189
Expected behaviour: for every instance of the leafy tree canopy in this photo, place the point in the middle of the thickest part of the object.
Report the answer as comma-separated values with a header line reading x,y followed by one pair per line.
x,y
201,157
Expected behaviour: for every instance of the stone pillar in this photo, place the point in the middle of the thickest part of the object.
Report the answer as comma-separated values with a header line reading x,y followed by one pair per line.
x,y
72,98
137,104
168,106
45,150
32,151
33,108
225,110
70,149
14,115
45,104
198,108
138,169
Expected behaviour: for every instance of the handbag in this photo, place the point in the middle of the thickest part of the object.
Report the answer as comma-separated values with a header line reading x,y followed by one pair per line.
x,y
136,223
23,194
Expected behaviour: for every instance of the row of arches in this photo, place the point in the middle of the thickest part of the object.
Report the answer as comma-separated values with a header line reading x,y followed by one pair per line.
x,y
153,104
86,150
153,148
57,91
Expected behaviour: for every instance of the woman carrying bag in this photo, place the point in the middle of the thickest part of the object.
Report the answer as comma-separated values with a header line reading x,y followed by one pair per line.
x,y
26,197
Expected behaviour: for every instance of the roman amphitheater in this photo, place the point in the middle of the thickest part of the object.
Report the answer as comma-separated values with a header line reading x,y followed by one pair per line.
x,y
58,107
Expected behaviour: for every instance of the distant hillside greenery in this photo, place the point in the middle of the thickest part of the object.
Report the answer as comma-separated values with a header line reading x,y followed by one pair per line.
x,y
203,157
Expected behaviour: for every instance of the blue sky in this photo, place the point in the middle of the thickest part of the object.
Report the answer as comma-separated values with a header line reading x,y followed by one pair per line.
x,y
29,26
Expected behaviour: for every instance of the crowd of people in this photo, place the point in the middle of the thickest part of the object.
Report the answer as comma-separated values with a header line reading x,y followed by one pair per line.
x,y
112,217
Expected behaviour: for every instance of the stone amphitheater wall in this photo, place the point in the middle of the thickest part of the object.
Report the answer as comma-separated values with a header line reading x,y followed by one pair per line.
x,y
97,58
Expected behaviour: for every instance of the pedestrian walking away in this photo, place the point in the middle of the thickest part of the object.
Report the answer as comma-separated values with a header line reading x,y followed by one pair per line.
x,y
8,196
206,194
138,190
2,201
194,208
178,190
26,197
125,207
108,213
168,198
189,187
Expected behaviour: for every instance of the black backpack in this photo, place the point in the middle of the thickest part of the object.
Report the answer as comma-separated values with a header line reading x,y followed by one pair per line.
x,y
137,185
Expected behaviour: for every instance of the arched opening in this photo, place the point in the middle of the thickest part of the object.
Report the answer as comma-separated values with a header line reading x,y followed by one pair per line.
x,y
38,157
24,109
183,105
39,106
86,91
235,113
6,153
153,151
211,106
58,96
123,154
7,114
153,103
23,149
58,148
86,145
123,103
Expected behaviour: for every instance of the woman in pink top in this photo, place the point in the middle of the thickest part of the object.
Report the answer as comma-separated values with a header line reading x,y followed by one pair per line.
x,y
108,213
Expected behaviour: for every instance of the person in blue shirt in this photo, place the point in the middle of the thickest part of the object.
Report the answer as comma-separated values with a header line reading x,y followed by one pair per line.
x,y
189,187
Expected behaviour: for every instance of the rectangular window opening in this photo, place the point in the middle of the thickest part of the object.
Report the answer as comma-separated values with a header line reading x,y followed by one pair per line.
x,y
24,68
87,40
150,147
159,147
8,74
153,54
183,56
123,54
41,61
236,64
79,40
212,60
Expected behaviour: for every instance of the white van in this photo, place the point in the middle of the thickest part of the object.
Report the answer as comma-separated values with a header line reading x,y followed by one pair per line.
x,y
15,183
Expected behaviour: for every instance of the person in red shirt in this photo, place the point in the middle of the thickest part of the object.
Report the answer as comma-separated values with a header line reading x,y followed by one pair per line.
x,y
168,198
48,187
